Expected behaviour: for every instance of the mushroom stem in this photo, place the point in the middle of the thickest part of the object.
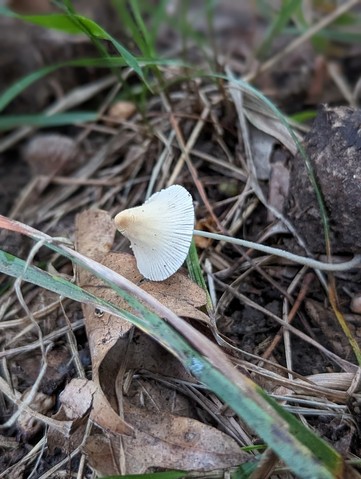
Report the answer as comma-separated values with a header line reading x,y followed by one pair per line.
x,y
312,263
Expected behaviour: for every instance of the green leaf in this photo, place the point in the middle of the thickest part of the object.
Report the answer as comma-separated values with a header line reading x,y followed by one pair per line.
x,y
129,23
303,116
8,122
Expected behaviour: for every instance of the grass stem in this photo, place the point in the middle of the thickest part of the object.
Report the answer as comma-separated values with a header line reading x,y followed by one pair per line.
x,y
312,263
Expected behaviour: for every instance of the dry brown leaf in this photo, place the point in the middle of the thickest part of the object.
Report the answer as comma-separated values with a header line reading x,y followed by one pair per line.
x,y
95,235
56,439
262,145
177,293
121,110
159,440
143,353
204,224
261,116
165,441
100,453
82,396
77,398
278,187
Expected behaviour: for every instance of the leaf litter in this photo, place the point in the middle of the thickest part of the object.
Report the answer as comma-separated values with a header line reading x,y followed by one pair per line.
x,y
176,442
137,388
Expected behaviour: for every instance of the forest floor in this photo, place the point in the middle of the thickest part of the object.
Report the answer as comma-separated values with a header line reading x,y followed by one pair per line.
x,y
247,179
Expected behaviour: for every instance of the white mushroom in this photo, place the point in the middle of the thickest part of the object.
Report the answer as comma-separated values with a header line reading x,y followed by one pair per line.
x,y
160,231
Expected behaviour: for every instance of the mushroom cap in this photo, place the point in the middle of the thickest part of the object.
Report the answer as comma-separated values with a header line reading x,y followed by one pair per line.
x,y
160,231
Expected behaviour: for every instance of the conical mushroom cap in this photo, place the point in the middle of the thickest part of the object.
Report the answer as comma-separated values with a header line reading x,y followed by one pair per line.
x,y
160,231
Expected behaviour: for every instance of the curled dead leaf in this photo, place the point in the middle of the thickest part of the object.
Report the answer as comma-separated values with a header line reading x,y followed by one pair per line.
x,y
82,396
164,441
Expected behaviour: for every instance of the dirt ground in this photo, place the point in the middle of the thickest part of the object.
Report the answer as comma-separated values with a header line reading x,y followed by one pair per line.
x,y
247,180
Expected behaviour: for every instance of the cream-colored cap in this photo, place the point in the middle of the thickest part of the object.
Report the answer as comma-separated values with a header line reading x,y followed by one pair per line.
x,y
160,231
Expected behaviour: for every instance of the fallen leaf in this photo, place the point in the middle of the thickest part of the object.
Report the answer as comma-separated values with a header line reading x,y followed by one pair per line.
x,y
121,110
261,116
204,224
278,187
82,396
262,146
164,441
77,398
101,455
156,437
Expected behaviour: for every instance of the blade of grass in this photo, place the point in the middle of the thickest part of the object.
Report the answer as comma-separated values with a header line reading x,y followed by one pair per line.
x,y
242,472
111,61
76,24
8,122
150,47
132,18
195,272
157,17
250,90
289,442
280,21
127,20
306,454
99,45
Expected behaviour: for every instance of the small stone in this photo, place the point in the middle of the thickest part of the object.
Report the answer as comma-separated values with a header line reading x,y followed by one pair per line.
x,y
52,154
356,304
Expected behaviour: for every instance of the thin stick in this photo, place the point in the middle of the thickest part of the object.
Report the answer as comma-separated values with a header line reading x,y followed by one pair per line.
x,y
312,263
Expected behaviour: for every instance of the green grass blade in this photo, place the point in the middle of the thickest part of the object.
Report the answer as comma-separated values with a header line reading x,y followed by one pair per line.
x,y
195,272
158,17
246,87
266,422
106,62
280,21
128,22
149,46
303,116
242,472
14,90
286,435
8,122
77,24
